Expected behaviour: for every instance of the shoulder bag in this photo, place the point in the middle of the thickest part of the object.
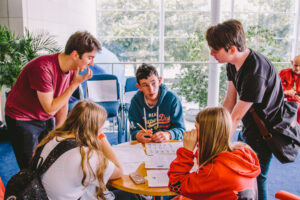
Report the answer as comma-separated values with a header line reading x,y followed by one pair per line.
x,y
284,138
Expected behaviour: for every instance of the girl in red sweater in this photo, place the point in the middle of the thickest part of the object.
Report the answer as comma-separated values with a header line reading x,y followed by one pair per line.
x,y
226,170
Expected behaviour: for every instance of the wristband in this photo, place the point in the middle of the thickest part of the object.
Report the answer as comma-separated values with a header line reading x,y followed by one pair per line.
x,y
101,136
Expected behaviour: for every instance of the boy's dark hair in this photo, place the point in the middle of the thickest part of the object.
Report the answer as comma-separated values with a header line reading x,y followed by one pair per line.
x,y
144,71
82,42
225,35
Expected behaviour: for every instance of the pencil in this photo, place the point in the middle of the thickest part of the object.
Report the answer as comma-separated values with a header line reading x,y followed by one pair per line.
x,y
141,127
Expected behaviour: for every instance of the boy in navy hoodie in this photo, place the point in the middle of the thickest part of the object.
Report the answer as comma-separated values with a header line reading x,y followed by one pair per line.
x,y
155,113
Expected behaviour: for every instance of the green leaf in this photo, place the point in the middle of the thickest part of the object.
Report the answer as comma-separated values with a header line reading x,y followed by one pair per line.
x,y
17,50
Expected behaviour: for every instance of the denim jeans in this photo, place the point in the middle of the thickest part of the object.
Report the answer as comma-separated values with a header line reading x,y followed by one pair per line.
x,y
25,136
264,155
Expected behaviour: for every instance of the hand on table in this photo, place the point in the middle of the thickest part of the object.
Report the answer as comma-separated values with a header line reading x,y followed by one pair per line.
x,y
144,137
190,139
161,136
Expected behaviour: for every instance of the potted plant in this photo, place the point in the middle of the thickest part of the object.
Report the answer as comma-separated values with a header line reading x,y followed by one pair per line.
x,y
17,50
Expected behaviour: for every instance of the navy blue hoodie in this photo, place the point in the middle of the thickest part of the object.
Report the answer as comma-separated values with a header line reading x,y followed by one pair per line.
x,y
167,111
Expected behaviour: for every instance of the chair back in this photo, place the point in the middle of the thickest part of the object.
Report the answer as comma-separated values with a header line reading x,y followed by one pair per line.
x,y
130,89
103,89
130,84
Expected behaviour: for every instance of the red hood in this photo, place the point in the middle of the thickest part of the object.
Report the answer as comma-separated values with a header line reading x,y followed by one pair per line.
x,y
242,161
229,173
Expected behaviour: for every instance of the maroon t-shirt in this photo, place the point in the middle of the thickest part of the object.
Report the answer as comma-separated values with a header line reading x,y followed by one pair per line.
x,y
41,74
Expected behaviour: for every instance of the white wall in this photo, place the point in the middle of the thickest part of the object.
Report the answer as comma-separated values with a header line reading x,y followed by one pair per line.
x,y
60,18
11,15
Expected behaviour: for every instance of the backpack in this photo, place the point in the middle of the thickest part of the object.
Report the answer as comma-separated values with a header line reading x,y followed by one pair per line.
x,y
27,184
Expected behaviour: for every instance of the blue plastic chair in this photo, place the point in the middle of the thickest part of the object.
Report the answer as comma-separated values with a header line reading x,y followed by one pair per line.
x,y
130,84
79,92
129,91
104,90
76,97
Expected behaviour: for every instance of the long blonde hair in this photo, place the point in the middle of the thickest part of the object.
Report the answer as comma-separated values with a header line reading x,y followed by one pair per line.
x,y
214,133
83,124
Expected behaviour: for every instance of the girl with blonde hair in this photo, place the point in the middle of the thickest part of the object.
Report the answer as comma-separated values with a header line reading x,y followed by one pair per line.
x,y
225,170
82,172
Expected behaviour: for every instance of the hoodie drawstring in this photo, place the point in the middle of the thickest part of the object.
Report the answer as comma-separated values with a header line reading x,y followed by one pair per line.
x,y
157,112
145,118
157,118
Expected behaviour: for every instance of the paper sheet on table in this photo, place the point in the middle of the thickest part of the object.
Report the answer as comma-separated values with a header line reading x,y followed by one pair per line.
x,y
159,161
131,156
162,148
102,91
157,178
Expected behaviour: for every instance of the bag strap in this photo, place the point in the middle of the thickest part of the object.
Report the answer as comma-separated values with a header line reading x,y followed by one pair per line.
x,y
266,135
60,148
36,157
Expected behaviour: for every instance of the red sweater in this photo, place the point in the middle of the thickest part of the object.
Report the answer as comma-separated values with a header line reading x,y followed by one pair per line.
x,y
229,173
288,78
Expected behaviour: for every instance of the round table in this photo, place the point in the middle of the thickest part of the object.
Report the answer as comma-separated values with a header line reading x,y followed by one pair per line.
x,y
126,184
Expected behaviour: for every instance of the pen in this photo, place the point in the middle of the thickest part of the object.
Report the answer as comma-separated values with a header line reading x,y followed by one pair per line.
x,y
146,136
142,127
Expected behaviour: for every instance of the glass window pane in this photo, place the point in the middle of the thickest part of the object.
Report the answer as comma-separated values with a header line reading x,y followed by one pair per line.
x,y
133,49
280,24
186,49
128,4
280,66
226,6
111,23
276,5
263,6
190,82
246,5
201,5
182,24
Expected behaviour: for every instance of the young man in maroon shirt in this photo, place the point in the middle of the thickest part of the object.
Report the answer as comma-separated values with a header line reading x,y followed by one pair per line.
x,y
42,91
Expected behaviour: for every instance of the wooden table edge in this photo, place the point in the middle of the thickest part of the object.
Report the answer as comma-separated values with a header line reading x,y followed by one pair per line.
x,y
115,184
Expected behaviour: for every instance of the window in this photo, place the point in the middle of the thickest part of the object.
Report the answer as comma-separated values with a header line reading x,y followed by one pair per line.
x,y
132,29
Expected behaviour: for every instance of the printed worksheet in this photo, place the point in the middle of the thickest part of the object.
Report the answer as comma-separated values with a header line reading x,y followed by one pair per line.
x,y
162,148
157,178
159,161
125,152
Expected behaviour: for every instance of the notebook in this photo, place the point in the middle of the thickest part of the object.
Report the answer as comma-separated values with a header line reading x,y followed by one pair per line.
x,y
157,178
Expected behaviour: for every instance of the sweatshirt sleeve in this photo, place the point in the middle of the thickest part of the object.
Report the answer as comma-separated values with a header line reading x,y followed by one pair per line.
x,y
182,181
177,122
134,118
179,169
